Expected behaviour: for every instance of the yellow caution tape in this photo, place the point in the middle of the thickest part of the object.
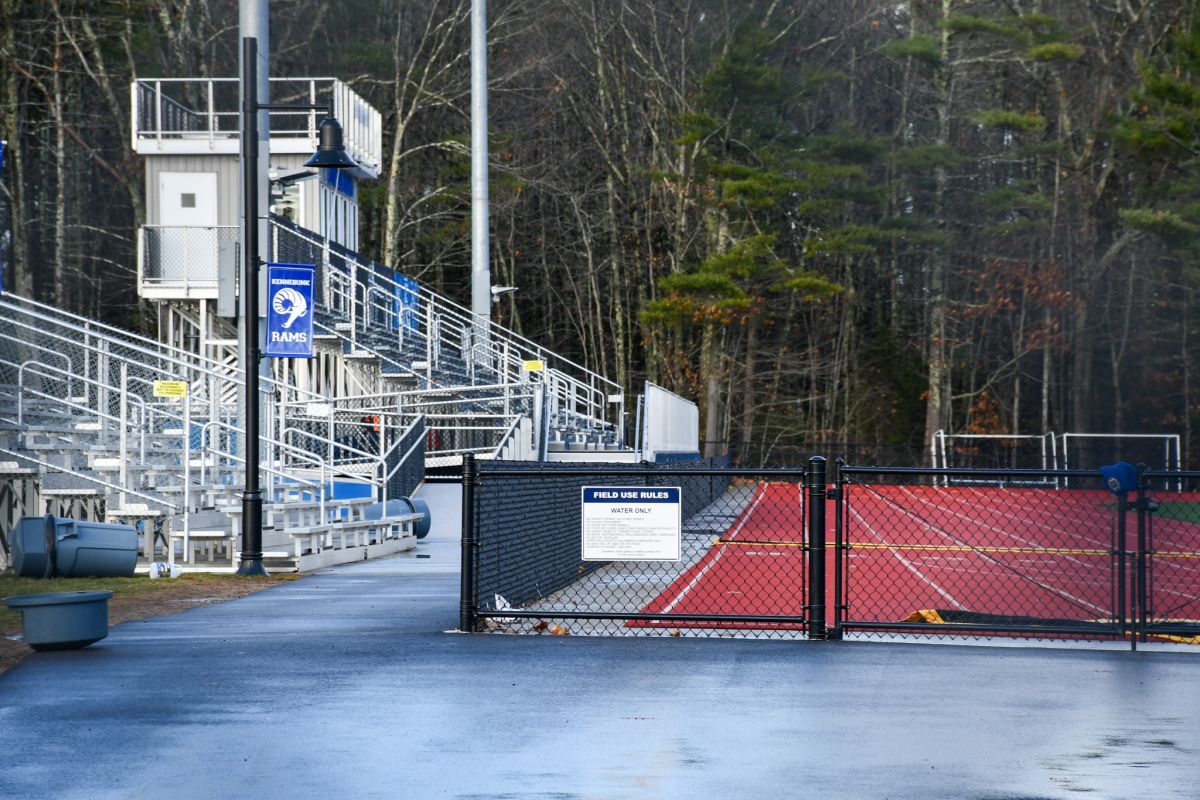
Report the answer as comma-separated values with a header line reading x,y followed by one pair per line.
x,y
959,548
757,543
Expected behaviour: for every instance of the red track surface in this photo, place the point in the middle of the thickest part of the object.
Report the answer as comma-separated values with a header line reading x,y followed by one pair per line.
x,y
760,571
1024,552
1013,552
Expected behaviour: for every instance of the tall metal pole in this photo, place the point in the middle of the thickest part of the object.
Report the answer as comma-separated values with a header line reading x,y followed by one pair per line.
x,y
252,501
481,278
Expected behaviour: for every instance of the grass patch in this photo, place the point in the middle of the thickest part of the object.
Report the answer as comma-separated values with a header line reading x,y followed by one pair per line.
x,y
132,588
1184,511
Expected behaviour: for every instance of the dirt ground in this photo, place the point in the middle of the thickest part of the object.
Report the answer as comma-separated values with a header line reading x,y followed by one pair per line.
x,y
170,599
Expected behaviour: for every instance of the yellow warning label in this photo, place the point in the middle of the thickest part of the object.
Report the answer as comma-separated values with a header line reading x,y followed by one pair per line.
x,y
170,389
536,365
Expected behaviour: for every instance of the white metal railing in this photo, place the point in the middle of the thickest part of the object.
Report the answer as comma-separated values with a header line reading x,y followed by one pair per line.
x,y
91,479
181,256
517,442
98,370
368,297
190,112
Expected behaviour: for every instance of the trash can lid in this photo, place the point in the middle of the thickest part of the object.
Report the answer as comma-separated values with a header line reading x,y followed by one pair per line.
x,y
57,598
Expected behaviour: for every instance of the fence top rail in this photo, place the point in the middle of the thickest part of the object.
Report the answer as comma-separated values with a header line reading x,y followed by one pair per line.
x,y
618,470
971,472
1171,474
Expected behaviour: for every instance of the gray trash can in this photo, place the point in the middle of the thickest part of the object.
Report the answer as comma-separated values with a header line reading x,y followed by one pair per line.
x,y
421,527
62,620
402,505
97,549
32,547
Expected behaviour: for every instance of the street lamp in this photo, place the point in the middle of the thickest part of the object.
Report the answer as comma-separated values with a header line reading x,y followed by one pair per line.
x,y
329,155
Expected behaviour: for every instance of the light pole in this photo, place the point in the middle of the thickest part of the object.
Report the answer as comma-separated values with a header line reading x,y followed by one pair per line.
x,y
329,155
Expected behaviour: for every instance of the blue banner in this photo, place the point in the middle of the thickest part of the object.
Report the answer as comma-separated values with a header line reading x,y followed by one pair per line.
x,y
289,310
406,304
340,181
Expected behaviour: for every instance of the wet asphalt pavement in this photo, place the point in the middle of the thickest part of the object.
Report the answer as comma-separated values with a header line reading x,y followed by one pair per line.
x,y
345,684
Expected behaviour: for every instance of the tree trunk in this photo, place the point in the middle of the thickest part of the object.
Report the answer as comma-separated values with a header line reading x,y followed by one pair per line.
x,y
58,291
711,379
749,395
937,376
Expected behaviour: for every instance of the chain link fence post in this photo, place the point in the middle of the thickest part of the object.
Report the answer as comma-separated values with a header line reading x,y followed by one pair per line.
x,y
467,604
816,547
1143,576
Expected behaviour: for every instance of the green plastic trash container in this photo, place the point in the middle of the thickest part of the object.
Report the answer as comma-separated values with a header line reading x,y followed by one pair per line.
x,y
97,549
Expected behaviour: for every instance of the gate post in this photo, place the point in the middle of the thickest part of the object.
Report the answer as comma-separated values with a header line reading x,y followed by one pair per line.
x,y
815,491
466,596
1125,624
838,495
1143,574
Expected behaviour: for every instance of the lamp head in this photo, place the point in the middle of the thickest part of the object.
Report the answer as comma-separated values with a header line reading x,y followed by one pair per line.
x,y
330,153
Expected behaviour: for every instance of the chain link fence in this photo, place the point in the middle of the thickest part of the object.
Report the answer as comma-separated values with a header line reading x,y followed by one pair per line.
x,y
1018,553
736,562
879,552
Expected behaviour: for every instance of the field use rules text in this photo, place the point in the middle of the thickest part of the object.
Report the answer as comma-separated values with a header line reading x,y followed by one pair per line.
x,y
631,523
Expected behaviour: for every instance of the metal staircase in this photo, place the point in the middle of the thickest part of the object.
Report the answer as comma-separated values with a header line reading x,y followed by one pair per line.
x,y
123,427
85,406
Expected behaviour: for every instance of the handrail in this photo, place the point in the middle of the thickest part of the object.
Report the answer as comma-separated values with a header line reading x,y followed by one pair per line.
x,y
436,305
324,330
44,351
142,344
509,435
332,465
268,467
418,421
362,123
174,418
34,366
187,361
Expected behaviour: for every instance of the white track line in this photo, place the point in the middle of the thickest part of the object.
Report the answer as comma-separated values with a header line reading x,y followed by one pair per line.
x,y
949,597
732,532
974,519
1071,531
941,532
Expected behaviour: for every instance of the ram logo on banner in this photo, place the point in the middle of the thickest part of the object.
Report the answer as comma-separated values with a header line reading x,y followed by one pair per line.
x,y
289,310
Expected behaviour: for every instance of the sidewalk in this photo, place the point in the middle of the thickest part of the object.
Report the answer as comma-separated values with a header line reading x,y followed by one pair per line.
x,y
344,684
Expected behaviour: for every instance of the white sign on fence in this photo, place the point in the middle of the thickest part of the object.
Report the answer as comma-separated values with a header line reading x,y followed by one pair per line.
x,y
631,523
